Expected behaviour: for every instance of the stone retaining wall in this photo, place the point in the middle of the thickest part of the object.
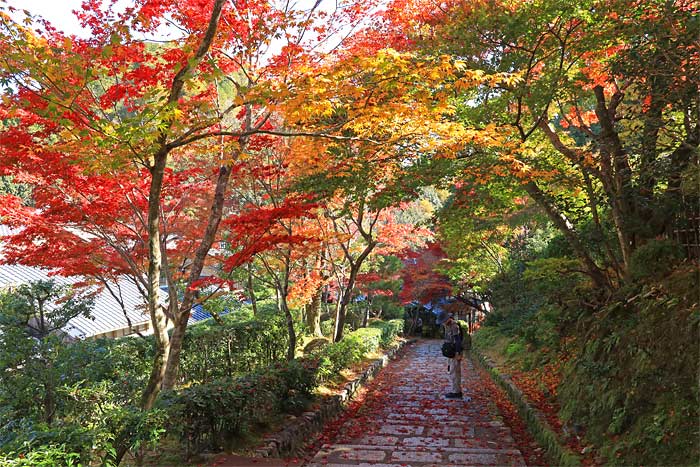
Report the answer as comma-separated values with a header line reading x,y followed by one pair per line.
x,y
300,429
558,453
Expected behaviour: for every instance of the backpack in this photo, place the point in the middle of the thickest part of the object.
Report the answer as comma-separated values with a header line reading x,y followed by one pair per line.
x,y
449,350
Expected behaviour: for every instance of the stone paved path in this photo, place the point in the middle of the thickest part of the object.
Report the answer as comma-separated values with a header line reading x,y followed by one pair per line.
x,y
405,421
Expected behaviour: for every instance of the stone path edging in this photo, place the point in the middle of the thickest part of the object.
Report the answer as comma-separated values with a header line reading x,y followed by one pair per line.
x,y
293,436
558,453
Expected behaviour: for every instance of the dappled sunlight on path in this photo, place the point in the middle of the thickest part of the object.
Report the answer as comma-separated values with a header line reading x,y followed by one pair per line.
x,y
404,420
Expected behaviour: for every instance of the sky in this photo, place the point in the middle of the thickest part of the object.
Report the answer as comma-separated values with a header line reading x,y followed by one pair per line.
x,y
58,12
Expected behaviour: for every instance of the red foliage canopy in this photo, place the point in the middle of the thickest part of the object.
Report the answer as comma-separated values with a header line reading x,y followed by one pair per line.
x,y
421,279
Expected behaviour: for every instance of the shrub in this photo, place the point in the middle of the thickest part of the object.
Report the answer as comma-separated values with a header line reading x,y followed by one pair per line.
x,y
339,355
370,339
352,349
654,259
134,429
300,380
390,330
213,351
43,445
53,455
207,416
513,349
486,336
327,327
315,345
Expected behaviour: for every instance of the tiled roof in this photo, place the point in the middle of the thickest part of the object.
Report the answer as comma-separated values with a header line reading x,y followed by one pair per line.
x,y
198,314
107,314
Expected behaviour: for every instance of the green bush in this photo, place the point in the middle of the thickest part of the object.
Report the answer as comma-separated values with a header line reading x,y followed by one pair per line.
x,y
53,455
43,444
486,336
207,416
514,348
514,303
370,338
135,430
328,327
315,345
300,378
213,351
352,349
390,330
339,355
654,259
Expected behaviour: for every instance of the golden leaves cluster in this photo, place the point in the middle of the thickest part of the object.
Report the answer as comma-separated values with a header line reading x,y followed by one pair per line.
x,y
390,99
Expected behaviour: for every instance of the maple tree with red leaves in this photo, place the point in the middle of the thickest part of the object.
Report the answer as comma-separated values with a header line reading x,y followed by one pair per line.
x,y
422,280
274,232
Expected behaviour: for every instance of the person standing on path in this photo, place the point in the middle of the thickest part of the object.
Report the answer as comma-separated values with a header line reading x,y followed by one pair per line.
x,y
453,335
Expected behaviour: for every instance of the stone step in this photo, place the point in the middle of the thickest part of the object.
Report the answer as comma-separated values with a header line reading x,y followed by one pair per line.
x,y
441,419
379,456
504,442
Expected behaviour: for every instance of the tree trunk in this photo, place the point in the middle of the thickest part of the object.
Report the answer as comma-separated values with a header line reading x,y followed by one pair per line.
x,y
622,203
313,314
200,256
291,349
345,301
49,400
365,316
229,359
339,300
177,339
251,290
160,159
158,318
342,309
599,278
593,205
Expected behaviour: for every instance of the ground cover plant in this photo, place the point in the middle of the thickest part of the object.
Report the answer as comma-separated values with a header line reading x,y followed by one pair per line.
x,y
595,375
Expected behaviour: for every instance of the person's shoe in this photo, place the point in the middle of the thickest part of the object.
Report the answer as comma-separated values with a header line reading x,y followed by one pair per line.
x,y
453,395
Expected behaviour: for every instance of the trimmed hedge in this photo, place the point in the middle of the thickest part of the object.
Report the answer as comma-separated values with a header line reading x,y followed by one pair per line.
x,y
315,345
390,329
207,416
213,351
337,356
